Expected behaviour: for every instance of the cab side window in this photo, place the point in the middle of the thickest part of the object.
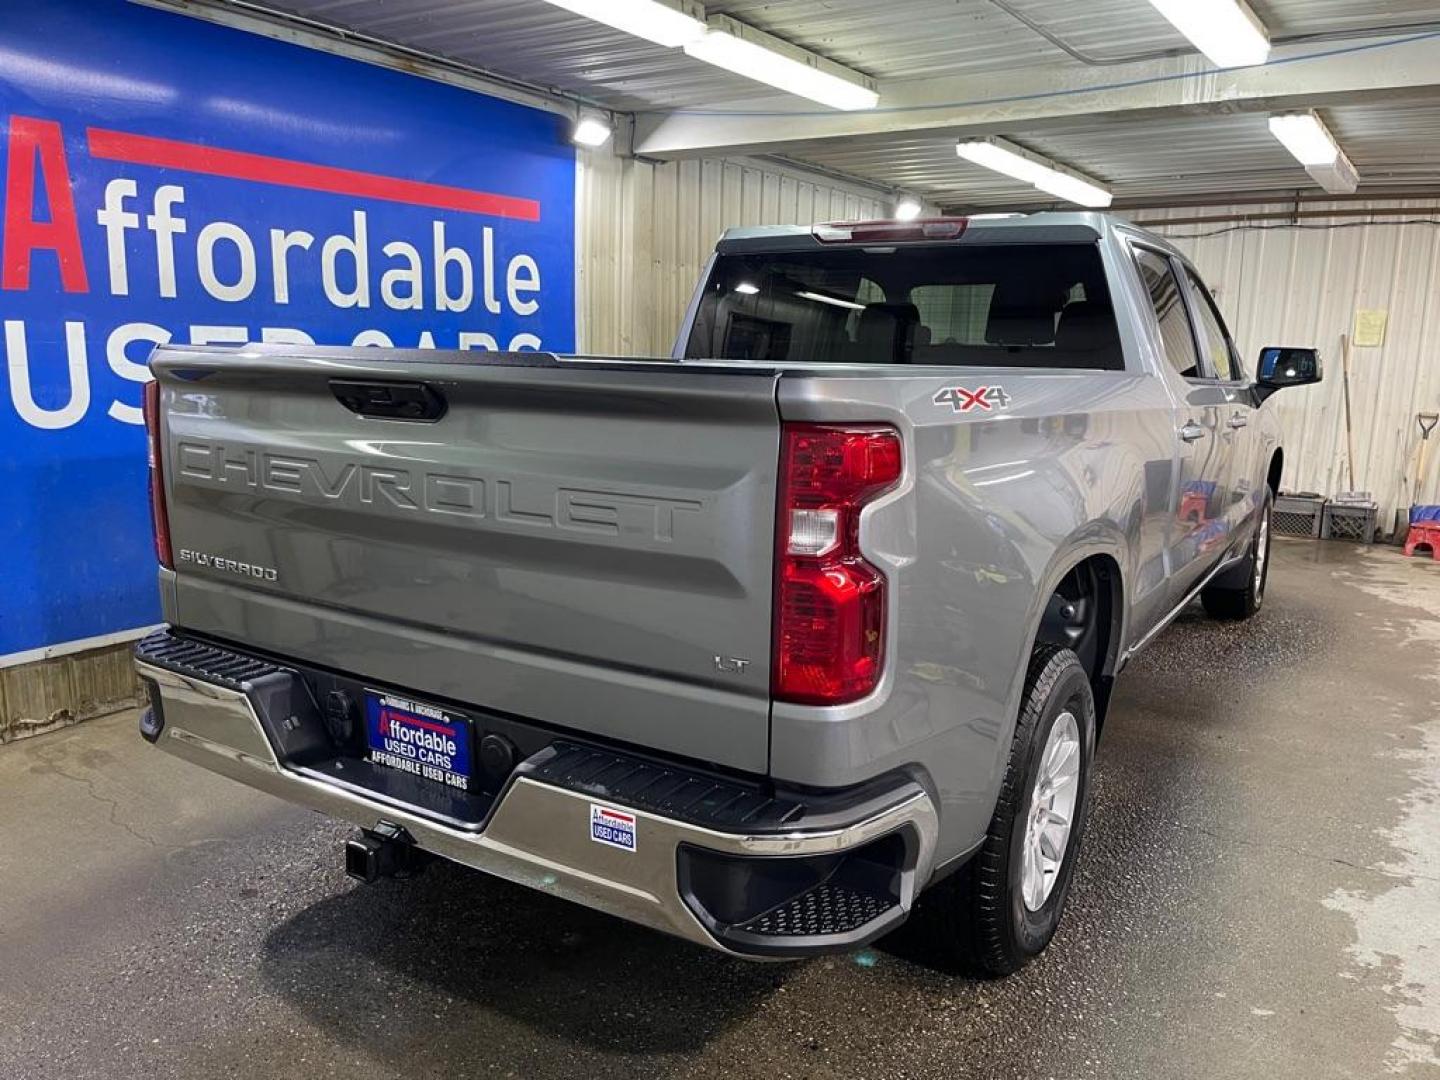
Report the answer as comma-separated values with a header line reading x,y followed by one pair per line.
x,y
1218,346
1165,297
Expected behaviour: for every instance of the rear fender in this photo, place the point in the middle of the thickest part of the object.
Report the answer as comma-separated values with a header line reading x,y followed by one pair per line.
x,y
1094,539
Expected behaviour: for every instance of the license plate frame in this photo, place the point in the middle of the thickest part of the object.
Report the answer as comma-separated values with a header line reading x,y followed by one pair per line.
x,y
429,742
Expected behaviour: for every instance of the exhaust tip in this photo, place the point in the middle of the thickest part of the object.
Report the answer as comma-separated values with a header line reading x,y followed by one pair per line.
x,y
151,724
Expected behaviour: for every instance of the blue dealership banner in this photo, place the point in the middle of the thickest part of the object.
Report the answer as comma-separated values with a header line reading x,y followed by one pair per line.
x,y
166,179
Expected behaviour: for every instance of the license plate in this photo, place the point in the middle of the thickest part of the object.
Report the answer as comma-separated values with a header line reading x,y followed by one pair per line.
x,y
423,740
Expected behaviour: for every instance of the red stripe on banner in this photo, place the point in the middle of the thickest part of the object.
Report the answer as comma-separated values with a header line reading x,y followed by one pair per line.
x,y
238,165
417,721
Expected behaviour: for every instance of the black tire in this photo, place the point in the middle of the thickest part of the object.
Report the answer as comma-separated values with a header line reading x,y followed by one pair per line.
x,y
1239,593
981,913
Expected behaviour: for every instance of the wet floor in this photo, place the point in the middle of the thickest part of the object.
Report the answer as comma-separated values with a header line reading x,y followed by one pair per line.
x,y
1259,896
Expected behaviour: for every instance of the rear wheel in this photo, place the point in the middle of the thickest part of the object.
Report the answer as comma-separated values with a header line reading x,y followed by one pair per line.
x,y
1238,593
1003,908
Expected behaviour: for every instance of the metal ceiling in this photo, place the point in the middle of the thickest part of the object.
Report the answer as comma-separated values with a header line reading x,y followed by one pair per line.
x,y
899,39
1394,144
550,47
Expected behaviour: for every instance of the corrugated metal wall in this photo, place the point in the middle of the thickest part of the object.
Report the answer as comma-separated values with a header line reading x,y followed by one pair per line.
x,y
1301,283
645,229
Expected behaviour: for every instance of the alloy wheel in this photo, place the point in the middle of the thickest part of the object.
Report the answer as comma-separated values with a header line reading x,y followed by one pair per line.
x,y
1051,811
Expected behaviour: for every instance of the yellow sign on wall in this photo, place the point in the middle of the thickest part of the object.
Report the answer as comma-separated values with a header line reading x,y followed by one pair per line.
x,y
1370,327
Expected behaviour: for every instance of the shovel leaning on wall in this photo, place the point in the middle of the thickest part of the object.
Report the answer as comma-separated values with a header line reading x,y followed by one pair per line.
x,y
1427,422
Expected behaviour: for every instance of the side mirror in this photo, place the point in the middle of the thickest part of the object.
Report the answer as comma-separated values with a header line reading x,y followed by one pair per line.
x,y
1283,365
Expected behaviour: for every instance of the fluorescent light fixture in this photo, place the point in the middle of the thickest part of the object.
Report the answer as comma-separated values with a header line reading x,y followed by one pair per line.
x,y
746,288
833,301
591,131
1310,143
1074,189
1000,158
1040,173
907,209
1226,31
1338,178
756,55
1307,139
671,23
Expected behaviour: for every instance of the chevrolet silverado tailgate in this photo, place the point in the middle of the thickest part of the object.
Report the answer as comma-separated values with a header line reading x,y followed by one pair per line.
x,y
587,544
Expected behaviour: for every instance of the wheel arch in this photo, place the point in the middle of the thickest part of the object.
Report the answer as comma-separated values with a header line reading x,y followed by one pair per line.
x,y
1097,573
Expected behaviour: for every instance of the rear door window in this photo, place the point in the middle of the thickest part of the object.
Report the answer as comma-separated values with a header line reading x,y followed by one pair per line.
x,y
1021,305
1176,335
1218,347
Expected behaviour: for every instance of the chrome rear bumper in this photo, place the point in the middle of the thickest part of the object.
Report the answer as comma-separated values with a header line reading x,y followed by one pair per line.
x,y
539,833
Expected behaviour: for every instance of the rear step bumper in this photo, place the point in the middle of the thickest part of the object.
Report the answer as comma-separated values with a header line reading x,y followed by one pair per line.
x,y
844,874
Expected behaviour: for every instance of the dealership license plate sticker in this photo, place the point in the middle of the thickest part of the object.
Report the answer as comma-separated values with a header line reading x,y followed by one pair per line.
x,y
613,827
420,739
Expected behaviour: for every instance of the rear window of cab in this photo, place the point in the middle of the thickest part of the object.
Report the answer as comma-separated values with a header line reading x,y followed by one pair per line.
x,y
984,305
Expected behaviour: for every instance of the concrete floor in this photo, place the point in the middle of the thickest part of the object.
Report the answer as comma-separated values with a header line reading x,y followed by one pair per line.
x,y
1259,896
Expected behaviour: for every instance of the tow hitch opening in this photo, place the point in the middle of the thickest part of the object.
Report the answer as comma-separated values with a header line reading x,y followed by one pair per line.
x,y
384,851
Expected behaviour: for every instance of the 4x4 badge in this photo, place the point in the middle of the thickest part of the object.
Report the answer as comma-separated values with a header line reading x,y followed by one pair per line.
x,y
962,400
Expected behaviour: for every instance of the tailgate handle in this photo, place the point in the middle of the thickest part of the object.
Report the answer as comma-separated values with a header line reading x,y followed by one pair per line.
x,y
390,400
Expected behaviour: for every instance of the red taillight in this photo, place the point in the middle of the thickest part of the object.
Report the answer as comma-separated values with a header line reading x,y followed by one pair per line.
x,y
829,601
159,519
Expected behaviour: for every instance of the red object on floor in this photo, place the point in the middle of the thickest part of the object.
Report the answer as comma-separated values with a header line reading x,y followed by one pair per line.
x,y
1421,533
1194,506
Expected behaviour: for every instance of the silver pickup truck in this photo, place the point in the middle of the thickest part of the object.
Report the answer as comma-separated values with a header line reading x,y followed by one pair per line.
x,y
751,644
